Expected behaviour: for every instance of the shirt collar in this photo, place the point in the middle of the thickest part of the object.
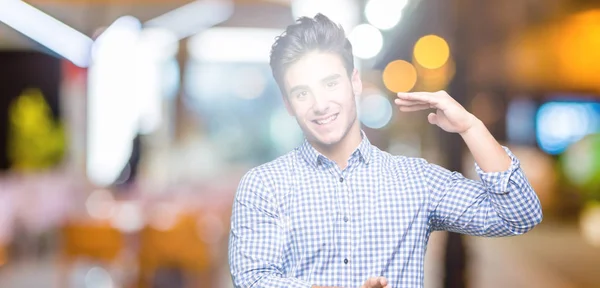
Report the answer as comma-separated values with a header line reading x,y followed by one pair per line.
x,y
312,156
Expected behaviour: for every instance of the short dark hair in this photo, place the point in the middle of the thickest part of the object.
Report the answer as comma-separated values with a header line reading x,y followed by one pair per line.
x,y
308,35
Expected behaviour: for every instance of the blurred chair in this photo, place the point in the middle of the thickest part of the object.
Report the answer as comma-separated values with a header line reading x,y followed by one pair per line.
x,y
177,252
90,240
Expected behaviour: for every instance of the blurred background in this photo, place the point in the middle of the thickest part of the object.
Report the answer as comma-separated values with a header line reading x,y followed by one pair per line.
x,y
125,127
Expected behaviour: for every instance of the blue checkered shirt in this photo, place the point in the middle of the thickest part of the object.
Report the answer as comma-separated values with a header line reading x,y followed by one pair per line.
x,y
300,220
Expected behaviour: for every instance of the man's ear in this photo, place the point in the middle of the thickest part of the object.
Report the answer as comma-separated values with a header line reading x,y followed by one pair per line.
x,y
356,83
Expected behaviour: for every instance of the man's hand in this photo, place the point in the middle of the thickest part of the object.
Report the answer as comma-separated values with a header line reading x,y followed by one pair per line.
x,y
449,115
376,282
452,117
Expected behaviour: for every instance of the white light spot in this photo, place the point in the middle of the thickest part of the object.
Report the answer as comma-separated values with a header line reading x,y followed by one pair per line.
x,y
366,41
128,218
100,204
590,225
342,12
98,278
384,14
561,124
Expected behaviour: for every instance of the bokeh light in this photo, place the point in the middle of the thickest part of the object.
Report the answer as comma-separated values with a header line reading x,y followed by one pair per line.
x,y
432,80
366,41
560,124
100,204
384,14
581,165
98,277
165,216
129,218
589,223
431,51
375,111
399,76
340,11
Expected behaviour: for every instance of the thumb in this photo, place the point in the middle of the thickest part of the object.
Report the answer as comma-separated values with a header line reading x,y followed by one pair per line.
x,y
383,282
432,117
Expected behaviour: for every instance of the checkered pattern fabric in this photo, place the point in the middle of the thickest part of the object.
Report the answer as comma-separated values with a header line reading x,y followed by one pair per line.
x,y
299,220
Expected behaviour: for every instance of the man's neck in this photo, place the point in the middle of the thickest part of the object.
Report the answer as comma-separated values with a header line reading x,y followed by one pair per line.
x,y
340,152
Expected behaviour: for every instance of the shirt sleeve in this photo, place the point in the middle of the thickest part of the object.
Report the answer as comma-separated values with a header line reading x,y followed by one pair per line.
x,y
255,245
500,204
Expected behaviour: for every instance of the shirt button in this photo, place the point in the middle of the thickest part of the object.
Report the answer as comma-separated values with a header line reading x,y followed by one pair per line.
x,y
345,261
345,218
341,179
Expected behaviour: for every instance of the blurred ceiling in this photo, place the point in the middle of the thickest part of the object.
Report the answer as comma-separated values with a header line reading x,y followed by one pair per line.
x,y
87,16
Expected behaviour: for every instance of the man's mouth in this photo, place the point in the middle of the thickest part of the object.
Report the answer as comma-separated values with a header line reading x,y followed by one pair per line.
x,y
326,120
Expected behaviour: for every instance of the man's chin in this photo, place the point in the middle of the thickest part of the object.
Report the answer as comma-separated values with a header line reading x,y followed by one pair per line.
x,y
326,140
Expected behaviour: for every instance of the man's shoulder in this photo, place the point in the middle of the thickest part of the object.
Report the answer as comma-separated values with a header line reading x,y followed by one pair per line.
x,y
272,169
389,159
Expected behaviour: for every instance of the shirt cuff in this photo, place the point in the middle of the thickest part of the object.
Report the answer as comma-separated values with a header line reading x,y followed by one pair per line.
x,y
498,182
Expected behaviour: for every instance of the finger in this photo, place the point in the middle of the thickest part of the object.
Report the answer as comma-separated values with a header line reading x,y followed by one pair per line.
x,y
383,282
408,102
420,96
415,108
372,282
432,118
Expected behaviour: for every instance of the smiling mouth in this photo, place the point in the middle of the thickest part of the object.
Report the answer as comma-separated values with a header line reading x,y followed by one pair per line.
x,y
326,120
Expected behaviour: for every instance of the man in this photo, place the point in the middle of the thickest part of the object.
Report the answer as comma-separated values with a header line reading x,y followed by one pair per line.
x,y
339,212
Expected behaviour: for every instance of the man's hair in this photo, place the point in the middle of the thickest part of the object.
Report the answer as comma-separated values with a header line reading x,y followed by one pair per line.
x,y
318,34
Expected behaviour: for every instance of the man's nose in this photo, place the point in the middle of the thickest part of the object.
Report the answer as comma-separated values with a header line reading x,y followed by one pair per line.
x,y
320,105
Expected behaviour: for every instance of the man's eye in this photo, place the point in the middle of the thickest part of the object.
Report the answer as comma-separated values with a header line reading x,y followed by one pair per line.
x,y
302,95
332,84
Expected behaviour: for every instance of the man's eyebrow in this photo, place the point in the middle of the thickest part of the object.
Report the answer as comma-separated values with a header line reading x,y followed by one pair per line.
x,y
299,87
305,87
331,77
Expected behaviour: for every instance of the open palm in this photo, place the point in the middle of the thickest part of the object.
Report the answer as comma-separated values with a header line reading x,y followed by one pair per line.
x,y
449,115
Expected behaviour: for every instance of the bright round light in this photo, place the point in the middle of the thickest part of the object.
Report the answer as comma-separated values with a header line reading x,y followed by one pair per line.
x,y
589,224
384,14
375,111
366,41
97,277
431,51
164,216
342,12
561,124
100,204
129,217
581,164
399,76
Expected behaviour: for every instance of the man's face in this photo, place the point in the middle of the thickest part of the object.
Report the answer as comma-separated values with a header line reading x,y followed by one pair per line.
x,y
322,97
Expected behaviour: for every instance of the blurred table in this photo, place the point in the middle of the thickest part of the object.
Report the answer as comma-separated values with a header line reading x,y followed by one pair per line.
x,y
553,255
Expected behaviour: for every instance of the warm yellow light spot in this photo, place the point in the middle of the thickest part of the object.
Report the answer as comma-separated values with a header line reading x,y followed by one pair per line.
x,y
399,76
432,80
431,51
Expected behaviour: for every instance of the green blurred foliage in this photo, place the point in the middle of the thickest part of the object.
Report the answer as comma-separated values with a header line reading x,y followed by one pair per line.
x,y
35,141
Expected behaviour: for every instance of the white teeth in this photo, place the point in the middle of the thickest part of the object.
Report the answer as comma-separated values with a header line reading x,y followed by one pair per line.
x,y
327,120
